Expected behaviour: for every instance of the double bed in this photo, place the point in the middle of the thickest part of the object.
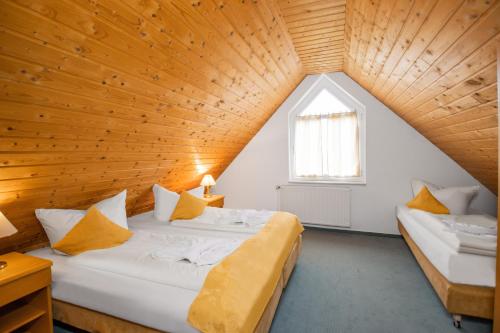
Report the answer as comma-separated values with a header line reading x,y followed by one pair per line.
x,y
91,295
464,282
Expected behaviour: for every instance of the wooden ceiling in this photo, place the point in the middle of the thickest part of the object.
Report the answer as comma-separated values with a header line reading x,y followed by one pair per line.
x,y
434,64
317,31
430,61
99,96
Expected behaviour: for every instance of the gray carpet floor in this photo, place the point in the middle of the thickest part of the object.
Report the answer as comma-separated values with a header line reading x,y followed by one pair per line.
x,y
346,282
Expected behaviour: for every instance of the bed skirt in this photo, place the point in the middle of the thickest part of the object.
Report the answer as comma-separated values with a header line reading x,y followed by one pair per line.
x,y
94,321
458,299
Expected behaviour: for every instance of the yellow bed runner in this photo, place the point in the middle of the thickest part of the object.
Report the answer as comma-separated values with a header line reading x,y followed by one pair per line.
x,y
237,290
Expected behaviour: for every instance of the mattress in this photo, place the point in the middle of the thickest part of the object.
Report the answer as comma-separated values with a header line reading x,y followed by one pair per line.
x,y
157,305
143,302
463,268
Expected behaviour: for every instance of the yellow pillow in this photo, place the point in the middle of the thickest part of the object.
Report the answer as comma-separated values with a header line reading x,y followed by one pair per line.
x,y
427,202
94,231
188,207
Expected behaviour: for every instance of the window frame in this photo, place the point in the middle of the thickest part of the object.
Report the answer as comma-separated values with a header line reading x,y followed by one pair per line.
x,y
324,82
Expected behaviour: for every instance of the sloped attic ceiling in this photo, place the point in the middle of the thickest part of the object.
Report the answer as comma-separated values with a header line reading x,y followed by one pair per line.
x,y
432,62
317,31
98,96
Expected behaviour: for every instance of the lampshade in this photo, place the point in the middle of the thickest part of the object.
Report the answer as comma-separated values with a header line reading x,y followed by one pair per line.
x,y
6,228
207,180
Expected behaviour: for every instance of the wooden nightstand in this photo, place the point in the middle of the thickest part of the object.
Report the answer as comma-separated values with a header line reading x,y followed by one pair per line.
x,y
215,200
25,301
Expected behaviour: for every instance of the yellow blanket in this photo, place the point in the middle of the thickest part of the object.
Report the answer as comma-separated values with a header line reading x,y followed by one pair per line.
x,y
237,290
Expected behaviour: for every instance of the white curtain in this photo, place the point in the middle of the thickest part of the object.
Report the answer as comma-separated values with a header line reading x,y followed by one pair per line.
x,y
327,145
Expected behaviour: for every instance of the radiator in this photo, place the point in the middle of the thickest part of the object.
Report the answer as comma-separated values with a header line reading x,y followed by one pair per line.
x,y
318,205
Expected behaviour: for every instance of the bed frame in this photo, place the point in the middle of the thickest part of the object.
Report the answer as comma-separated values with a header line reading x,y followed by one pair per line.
x,y
458,299
94,321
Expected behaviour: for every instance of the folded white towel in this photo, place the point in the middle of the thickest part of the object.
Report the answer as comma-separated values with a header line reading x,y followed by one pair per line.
x,y
134,259
471,224
473,234
485,221
198,251
211,252
484,243
242,217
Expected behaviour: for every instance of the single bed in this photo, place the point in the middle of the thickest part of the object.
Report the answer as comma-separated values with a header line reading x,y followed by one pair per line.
x,y
464,282
105,300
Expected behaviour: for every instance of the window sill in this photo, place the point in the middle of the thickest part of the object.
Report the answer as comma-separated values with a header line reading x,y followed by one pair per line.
x,y
361,181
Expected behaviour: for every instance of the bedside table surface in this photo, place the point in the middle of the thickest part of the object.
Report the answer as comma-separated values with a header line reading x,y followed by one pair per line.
x,y
213,197
19,265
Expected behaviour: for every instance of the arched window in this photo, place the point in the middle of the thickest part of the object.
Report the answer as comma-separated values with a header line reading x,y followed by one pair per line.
x,y
327,136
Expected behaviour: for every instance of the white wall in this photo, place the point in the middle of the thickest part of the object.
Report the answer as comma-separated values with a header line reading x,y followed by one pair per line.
x,y
396,153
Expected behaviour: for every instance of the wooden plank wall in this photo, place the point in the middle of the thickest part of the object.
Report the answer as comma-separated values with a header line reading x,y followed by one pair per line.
x,y
317,30
99,96
496,314
433,63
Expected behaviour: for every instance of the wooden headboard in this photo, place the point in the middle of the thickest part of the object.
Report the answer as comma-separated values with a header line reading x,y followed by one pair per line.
x,y
98,97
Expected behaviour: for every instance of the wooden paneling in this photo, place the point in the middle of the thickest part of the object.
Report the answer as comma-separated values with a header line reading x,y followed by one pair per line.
x,y
430,61
496,315
99,96
317,30
433,63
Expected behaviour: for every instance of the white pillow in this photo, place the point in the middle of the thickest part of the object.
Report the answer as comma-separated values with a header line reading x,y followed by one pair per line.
x,y
115,209
456,199
165,202
58,222
197,191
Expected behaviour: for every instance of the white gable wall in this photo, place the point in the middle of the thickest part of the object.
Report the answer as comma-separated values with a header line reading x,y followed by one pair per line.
x,y
395,152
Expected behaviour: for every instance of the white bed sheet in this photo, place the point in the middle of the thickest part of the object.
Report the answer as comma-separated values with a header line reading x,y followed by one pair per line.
x,y
161,306
147,221
147,303
457,267
214,227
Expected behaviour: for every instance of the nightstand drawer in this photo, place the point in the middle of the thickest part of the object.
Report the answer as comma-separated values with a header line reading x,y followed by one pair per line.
x,y
24,286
